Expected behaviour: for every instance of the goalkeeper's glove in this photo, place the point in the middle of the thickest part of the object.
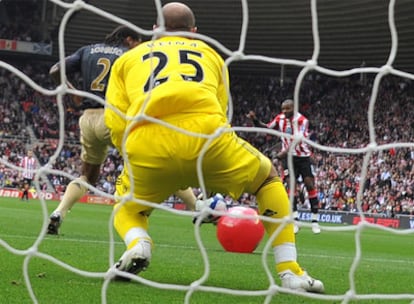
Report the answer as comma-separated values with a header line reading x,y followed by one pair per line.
x,y
216,203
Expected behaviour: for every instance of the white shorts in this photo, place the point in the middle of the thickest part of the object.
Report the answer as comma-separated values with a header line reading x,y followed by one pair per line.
x,y
94,136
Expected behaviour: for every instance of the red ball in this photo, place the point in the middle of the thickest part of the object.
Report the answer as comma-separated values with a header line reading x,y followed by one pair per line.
x,y
240,234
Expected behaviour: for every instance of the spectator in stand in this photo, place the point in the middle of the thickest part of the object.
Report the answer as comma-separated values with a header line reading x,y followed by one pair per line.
x,y
286,122
28,163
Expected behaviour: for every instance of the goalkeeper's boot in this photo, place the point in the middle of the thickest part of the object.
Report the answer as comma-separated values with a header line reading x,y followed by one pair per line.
x,y
54,223
135,260
304,282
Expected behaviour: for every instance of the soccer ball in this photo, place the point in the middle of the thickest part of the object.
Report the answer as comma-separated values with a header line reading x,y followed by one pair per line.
x,y
240,234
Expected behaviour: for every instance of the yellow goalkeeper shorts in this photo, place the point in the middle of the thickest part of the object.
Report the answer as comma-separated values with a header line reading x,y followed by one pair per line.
x,y
164,160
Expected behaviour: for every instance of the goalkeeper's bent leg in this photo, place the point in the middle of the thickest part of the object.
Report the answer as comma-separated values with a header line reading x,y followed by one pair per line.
x,y
131,226
273,201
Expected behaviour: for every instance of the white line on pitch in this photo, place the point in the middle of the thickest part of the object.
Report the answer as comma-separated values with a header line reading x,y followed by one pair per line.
x,y
65,239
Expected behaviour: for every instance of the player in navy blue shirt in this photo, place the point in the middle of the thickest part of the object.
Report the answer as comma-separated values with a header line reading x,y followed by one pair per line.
x,y
94,63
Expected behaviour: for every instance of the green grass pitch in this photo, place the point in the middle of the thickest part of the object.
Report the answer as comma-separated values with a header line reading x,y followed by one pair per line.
x,y
386,265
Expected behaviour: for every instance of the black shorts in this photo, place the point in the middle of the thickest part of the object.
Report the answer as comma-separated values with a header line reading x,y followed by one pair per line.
x,y
27,181
301,165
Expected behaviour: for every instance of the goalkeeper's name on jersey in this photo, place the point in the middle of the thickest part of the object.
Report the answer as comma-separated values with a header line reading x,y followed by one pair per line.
x,y
191,43
107,50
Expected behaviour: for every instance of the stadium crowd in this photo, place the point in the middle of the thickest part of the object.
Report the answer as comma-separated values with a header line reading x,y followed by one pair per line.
x,y
22,20
337,109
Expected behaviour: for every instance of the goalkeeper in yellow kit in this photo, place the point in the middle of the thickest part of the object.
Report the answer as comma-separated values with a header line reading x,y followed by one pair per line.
x,y
183,82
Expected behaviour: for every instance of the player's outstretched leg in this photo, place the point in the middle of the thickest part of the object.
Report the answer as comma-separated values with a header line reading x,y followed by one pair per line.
x,y
274,202
74,191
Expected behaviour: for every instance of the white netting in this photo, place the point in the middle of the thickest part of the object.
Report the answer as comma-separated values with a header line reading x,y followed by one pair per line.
x,y
306,67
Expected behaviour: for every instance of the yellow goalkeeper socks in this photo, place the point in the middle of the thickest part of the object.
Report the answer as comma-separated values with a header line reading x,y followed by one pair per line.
x,y
273,202
290,265
135,241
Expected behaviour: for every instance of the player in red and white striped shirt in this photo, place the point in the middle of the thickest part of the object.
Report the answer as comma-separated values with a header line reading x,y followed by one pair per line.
x,y
285,122
28,163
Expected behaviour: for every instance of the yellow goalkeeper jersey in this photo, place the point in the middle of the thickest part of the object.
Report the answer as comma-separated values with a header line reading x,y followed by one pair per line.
x,y
167,78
